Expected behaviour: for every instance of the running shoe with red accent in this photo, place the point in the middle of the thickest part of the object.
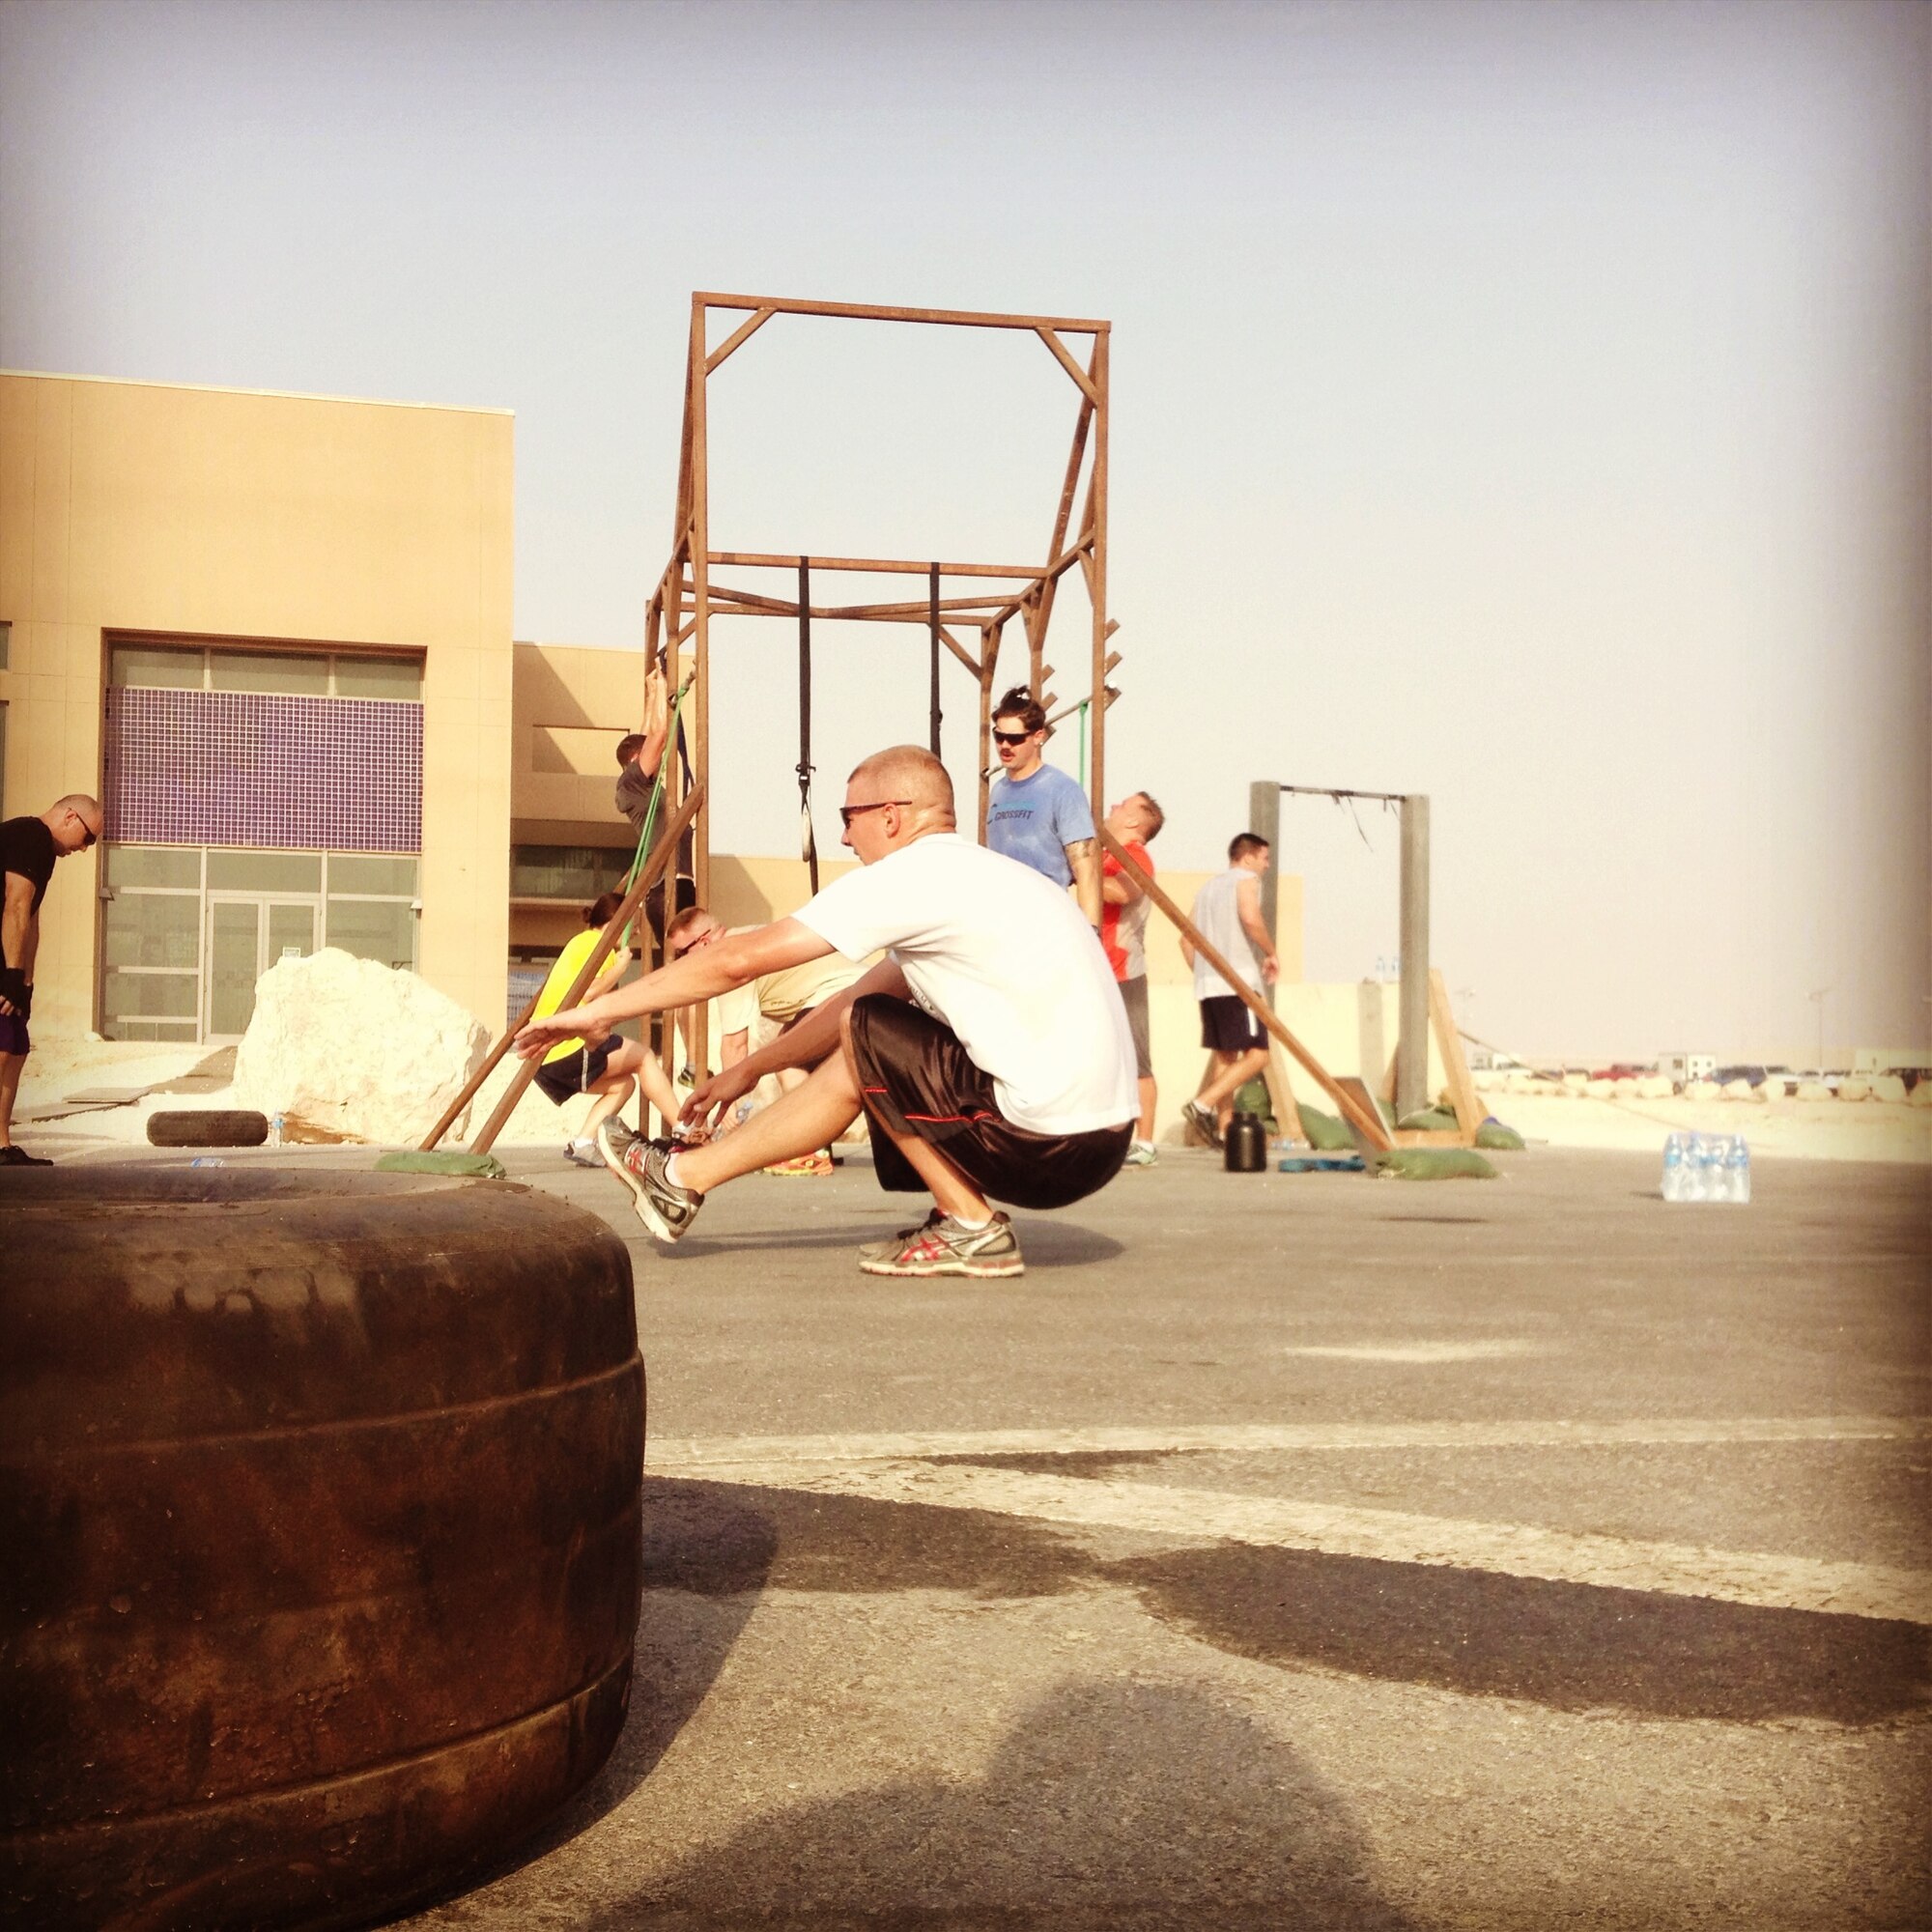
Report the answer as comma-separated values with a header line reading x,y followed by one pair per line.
x,y
940,1245
666,1209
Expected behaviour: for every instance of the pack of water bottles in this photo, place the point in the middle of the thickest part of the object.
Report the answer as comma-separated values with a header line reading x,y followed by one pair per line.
x,y
1707,1167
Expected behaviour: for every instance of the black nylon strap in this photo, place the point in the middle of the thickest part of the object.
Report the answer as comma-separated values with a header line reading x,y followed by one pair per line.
x,y
808,840
932,619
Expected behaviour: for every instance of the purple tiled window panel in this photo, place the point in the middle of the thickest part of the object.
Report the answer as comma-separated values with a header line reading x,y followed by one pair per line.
x,y
255,768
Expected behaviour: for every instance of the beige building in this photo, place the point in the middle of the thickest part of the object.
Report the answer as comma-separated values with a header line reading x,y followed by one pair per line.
x,y
273,634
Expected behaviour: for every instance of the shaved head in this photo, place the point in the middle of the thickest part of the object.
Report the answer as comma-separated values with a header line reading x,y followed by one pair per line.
x,y
78,801
909,771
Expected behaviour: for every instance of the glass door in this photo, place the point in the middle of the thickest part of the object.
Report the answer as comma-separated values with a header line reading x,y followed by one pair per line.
x,y
246,934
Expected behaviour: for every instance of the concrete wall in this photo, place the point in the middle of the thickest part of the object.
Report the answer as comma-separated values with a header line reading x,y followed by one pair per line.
x,y
215,514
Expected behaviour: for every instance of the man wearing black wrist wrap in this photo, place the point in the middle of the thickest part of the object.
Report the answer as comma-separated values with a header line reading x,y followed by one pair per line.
x,y
29,848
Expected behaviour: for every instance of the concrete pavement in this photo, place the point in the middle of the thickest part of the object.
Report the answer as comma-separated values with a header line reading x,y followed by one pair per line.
x,y
1279,1550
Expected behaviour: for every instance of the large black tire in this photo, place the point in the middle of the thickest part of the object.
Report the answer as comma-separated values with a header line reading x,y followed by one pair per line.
x,y
207,1126
318,1503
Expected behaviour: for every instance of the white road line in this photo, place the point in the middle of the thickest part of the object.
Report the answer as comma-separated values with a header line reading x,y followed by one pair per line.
x,y
1515,1550
668,1455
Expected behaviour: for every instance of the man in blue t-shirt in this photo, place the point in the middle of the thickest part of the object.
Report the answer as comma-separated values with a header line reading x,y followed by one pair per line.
x,y
1037,814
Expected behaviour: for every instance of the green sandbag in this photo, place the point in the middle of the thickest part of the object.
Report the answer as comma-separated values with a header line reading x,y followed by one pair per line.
x,y
1432,1164
450,1160
1430,1121
1253,1099
1324,1133
1494,1134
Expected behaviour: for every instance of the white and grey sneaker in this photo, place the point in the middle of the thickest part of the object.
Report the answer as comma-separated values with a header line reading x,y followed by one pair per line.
x,y
667,1210
1201,1121
584,1153
1141,1154
940,1245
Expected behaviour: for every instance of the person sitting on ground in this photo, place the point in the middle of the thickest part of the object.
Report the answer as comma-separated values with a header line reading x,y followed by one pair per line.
x,y
1134,822
780,998
29,849
1035,813
989,1048
596,1061
1228,916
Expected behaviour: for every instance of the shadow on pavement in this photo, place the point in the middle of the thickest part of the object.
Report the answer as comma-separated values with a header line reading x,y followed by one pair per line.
x,y
1107,1805
1571,1646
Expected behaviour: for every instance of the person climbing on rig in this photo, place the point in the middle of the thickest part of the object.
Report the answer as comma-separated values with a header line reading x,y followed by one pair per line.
x,y
990,1049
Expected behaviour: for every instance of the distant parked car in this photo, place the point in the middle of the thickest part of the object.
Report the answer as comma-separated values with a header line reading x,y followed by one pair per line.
x,y
1724,1075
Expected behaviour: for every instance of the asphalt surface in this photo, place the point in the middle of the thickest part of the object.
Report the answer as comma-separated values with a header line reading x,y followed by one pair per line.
x,y
1278,1551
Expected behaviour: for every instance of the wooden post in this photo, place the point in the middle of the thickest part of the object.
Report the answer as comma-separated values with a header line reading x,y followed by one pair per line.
x,y
1097,580
474,1083
663,854
700,648
1265,822
1469,1110
1362,1119
1411,1063
989,668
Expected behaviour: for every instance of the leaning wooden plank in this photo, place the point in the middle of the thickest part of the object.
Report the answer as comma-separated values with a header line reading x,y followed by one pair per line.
x,y
1362,1119
662,855
1281,1096
1470,1111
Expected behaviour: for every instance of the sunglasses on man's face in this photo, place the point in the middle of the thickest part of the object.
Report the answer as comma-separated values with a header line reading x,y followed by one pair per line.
x,y
848,812
87,834
1011,737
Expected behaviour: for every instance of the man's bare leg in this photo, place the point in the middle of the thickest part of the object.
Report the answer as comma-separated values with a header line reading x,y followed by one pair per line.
x,y
1150,1095
11,1065
1219,1093
807,1118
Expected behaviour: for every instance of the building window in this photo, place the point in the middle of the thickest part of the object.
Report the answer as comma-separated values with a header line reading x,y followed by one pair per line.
x,y
146,667
572,874
188,929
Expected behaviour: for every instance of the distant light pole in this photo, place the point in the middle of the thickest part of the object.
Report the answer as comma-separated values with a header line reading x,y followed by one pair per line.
x,y
1818,1000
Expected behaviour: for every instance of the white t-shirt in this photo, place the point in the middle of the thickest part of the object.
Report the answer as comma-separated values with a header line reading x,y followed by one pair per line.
x,y
1005,958
1217,918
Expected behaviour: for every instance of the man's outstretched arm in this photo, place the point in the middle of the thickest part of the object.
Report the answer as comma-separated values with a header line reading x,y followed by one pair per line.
x,y
1085,877
703,974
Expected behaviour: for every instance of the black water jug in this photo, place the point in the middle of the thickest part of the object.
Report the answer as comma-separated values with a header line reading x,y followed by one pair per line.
x,y
1247,1145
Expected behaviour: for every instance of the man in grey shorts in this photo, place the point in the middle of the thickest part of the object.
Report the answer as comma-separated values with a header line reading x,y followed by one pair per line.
x,y
1124,918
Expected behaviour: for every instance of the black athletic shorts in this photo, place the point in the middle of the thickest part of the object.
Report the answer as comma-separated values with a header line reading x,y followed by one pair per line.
x,y
562,1079
916,1078
1227,1025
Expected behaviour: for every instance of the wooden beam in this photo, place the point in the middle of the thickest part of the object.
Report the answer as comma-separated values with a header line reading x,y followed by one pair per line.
x,y
1363,1120
1469,1111
741,334
1067,362
956,318
886,565
663,852
959,650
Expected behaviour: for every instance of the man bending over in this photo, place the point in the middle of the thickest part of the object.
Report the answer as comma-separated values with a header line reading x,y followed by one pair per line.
x,y
988,1049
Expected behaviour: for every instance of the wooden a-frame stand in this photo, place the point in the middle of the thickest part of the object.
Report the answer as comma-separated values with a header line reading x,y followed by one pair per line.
x,y
983,596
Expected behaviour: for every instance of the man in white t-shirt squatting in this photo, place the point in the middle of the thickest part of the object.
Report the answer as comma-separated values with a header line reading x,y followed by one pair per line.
x,y
989,1048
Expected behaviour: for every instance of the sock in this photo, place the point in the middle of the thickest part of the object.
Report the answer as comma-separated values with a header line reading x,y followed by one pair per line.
x,y
671,1170
971,1227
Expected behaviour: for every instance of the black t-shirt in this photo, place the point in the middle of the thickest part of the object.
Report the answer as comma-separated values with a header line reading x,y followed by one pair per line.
x,y
27,847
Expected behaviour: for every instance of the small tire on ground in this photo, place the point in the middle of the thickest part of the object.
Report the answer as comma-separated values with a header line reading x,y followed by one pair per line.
x,y
207,1126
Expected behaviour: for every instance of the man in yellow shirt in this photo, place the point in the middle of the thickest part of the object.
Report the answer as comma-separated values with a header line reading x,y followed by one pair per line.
x,y
605,1064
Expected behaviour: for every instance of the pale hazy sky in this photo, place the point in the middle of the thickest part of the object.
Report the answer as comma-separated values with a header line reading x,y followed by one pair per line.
x,y
1524,404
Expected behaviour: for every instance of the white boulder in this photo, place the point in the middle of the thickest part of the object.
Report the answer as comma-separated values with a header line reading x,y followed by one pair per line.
x,y
1739,1089
1702,1089
1921,1095
1655,1087
1888,1087
1813,1090
355,1048
1854,1090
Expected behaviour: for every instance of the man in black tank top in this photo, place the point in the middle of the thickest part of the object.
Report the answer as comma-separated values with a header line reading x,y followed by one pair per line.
x,y
29,848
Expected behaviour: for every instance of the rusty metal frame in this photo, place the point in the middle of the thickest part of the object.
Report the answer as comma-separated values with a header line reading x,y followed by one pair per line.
x,y
688,598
